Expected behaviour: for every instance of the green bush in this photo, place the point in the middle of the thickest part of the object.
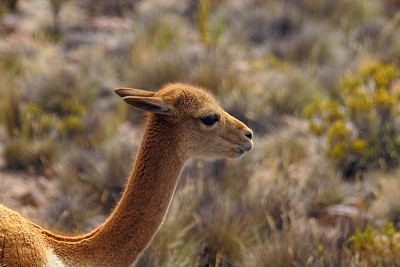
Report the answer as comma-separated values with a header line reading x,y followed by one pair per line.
x,y
70,126
361,128
31,143
38,123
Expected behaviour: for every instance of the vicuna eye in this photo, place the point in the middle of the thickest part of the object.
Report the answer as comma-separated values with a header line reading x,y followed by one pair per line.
x,y
209,120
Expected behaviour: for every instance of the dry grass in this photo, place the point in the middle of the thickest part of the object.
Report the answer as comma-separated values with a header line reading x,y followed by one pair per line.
x,y
264,60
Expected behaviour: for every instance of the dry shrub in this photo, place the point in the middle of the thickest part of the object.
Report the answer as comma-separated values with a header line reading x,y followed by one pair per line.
x,y
152,59
386,188
302,243
109,8
22,153
49,90
91,179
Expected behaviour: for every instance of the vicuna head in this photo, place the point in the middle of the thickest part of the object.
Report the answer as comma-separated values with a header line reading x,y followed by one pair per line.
x,y
201,127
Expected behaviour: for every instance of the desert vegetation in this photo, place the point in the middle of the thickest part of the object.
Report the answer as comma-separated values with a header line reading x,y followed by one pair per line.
x,y
317,81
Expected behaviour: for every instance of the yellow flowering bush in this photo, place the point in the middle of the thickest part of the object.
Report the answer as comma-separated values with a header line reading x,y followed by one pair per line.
x,y
385,74
383,98
361,127
359,146
376,247
358,101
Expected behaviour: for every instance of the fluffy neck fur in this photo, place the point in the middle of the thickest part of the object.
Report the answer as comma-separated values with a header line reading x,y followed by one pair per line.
x,y
141,210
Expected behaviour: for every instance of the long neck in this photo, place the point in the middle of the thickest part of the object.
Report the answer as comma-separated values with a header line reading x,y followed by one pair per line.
x,y
130,228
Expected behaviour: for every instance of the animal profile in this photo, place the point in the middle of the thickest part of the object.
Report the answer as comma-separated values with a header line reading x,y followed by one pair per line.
x,y
183,122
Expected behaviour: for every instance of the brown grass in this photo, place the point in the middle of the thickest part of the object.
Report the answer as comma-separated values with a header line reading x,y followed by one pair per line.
x,y
264,60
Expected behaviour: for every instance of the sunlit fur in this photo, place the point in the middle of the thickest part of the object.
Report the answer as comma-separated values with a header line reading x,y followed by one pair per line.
x,y
174,133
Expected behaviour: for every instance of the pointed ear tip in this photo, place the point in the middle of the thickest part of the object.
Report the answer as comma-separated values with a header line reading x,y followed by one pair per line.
x,y
122,92
117,91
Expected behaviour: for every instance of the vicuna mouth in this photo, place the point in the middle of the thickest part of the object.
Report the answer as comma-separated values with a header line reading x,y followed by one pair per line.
x,y
239,151
244,148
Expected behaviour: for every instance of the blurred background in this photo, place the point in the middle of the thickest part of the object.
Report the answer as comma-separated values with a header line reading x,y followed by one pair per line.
x,y
317,81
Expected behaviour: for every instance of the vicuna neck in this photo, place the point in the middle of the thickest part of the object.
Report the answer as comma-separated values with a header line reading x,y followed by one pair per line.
x,y
129,229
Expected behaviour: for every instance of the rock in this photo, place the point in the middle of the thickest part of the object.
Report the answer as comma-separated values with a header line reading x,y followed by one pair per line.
x,y
109,24
334,213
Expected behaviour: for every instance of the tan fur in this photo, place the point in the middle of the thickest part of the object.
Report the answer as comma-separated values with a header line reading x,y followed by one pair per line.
x,y
174,133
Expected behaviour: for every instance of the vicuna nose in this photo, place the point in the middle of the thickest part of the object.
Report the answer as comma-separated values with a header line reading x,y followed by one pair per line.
x,y
249,134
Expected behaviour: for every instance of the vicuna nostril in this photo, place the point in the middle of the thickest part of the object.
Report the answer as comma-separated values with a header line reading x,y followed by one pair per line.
x,y
249,135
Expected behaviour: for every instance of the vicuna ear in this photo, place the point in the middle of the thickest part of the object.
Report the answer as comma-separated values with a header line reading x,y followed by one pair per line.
x,y
123,92
151,104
